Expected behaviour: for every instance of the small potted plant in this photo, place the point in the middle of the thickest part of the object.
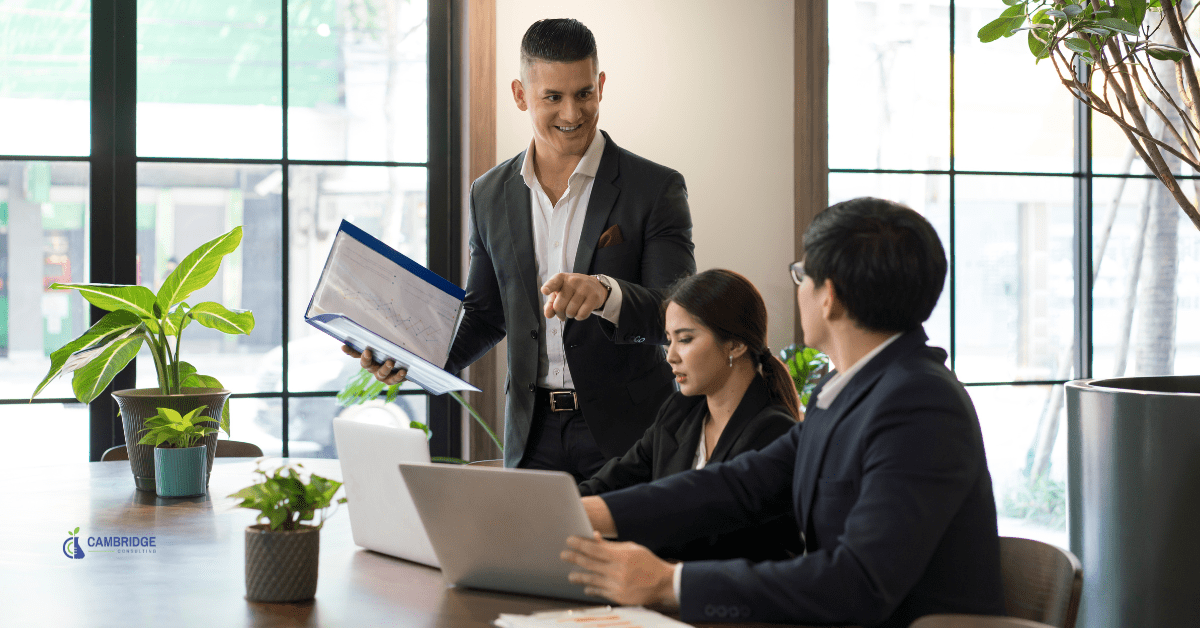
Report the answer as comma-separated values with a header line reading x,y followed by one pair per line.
x,y
281,550
180,458
137,315
807,366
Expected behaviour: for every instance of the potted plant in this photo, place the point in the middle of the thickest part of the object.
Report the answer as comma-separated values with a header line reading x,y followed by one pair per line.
x,y
281,551
1130,440
180,458
807,366
136,315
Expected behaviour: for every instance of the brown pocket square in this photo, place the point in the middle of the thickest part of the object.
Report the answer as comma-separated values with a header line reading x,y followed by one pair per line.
x,y
610,237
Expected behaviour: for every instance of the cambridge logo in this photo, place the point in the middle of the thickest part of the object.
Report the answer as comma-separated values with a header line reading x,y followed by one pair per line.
x,y
71,548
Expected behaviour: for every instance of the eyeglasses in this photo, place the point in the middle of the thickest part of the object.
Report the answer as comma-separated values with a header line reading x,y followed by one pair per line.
x,y
797,270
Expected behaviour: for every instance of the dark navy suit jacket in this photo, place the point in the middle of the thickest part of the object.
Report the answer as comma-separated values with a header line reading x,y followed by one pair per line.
x,y
889,484
669,447
620,372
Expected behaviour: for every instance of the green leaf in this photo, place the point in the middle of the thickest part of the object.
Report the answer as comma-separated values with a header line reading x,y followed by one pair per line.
x,y
1119,25
1000,27
1079,45
1163,52
1072,10
111,297
218,317
112,324
1055,13
177,320
185,371
92,379
197,269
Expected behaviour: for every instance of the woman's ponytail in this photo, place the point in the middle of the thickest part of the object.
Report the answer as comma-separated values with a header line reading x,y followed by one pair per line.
x,y
779,383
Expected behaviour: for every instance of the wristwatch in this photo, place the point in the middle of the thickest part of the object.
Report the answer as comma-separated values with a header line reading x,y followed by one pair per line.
x,y
607,283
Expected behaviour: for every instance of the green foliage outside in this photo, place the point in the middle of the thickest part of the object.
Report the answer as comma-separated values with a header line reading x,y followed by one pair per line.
x,y
807,366
1042,501
178,431
288,496
137,315
363,387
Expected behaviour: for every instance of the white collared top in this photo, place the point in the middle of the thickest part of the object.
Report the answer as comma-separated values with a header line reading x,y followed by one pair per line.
x,y
838,380
556,231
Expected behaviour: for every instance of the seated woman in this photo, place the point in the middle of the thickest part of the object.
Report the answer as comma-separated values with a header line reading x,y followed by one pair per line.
x,y
734,396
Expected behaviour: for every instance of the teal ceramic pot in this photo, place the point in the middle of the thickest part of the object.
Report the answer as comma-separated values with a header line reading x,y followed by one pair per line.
x,y
181,472
137,405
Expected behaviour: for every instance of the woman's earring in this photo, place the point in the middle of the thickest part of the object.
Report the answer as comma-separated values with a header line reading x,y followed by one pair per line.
x,y
730,360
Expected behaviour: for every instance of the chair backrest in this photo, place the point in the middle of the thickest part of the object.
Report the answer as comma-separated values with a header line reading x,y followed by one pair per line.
x,y
1042,582
975,621
225,449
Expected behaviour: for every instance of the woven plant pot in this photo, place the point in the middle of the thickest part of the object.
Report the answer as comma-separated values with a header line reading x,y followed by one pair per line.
x,y
281,566
140,404
181,472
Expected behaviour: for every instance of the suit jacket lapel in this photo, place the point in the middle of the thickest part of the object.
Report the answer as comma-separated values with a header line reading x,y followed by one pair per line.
x,y
686,438
519,209
600,205
753,401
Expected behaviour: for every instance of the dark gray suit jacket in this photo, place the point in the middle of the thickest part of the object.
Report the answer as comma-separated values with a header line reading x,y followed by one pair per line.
x,y
620,372
669,447
890,486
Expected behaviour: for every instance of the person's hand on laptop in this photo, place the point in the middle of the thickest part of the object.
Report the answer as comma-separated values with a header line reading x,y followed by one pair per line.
x,y
386,372
626,573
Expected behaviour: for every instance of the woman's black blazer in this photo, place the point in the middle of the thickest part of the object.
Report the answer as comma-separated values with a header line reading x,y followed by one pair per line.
x,y
669,447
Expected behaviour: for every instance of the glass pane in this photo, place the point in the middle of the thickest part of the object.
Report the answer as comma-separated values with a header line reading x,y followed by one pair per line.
x,y
210,78
1023,442
310,422
43,225
1147,290
1009,114
358,80
388,203
180,207
1013,284
63,424
889,85
45,77
257,421
929,195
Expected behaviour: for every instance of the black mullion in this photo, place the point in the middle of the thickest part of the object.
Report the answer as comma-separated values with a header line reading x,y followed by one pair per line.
x,y
1082,214
284,231
444,193
1029,382
45,157
112,184
953,207
272,162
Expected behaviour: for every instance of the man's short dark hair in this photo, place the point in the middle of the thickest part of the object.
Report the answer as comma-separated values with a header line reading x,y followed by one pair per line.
x,y
886,262
561,40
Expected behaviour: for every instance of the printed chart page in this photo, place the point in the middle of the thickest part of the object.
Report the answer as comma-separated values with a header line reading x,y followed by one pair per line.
x,y
371,295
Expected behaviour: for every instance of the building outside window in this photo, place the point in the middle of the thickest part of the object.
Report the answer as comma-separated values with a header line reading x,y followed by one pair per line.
x,y
240,121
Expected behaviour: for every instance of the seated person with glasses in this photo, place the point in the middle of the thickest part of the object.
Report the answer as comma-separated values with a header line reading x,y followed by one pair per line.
x,y
887,479
734,396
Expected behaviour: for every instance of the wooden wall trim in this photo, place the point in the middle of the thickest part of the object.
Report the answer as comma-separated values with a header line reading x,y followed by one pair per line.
x,y
811,120
479,103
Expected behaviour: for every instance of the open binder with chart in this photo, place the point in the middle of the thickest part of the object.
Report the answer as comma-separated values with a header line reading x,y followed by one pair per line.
x,y
371,295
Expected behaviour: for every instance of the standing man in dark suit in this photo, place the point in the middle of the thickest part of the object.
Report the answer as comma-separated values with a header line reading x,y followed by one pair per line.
x,y
573,243
887,479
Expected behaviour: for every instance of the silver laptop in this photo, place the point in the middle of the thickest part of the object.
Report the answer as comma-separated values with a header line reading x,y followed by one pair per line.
x,y
382,515
500,529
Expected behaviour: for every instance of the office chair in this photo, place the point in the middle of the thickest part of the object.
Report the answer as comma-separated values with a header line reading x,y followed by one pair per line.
x,y
225,449
975,621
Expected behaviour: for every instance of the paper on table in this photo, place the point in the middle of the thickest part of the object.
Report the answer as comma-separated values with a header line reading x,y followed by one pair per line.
x,y
607,616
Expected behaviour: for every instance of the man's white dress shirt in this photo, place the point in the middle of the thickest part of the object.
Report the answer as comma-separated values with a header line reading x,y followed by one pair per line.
x,y
556,231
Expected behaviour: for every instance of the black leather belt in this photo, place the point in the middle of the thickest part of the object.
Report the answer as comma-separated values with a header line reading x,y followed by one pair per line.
x,y
561,400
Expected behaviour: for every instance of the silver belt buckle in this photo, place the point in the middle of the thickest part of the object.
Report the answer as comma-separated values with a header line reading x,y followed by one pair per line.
x,y
563,401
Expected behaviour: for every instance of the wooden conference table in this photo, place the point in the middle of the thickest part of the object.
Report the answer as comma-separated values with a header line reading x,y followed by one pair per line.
x,y
195,577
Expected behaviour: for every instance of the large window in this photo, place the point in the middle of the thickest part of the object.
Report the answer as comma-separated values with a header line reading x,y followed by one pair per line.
x,y
980,140
136,130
